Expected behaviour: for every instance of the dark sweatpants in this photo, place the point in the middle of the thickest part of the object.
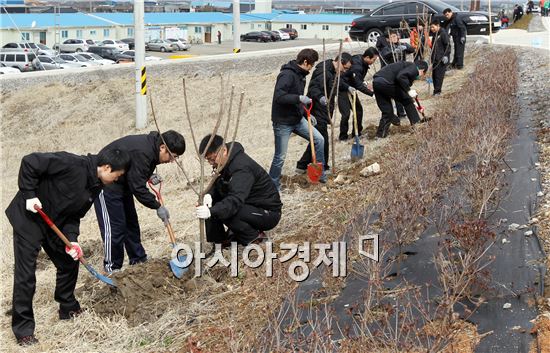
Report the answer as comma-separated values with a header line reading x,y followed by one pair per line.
x,y
438,74
322,127
24,279
245,225
119,226
344,105
458,56
384,93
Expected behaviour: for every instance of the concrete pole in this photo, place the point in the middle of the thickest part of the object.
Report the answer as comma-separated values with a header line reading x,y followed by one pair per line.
x,y
140,74
236,26
490,25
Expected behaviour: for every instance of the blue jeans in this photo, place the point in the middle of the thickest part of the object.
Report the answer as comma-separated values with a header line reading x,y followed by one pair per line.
x,y
282,135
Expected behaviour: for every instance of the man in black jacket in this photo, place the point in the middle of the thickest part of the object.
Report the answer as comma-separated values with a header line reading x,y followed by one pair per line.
x,y
441,49
325,74
287,112
354,80
394,81
243,197
458,31
64,185
115,208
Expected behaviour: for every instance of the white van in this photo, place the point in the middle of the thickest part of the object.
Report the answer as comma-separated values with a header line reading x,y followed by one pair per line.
x,y
18,60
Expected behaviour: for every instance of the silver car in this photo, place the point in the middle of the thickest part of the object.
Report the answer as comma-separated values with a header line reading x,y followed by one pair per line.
x,y
98,59
43,62
75,45
181,45
159,45
79,59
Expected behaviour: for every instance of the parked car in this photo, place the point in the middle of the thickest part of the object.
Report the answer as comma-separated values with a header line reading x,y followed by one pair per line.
x,y
284,35
4,70
159,45
74,45
130,41
45,50
370,26
118,44
77,58
256,36
47,63
19,60
274,37
181,45
291,32
98,59
38,49
129,55
104,52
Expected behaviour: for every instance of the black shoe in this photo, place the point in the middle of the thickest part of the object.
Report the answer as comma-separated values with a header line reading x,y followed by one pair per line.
x,y
67,315
343,138
396,122
27,340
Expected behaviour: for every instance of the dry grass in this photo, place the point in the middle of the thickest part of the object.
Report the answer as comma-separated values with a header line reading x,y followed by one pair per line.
x,y
523,23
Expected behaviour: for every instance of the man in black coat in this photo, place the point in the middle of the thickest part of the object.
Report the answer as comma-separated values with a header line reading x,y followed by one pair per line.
x,y
243,197
288,113
64,185
441,49
115,208
458,31
354,80
394,81
325,73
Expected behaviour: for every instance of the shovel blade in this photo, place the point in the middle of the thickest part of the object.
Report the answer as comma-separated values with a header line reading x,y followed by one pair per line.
x,y
357,150
99,276
176,266
314,172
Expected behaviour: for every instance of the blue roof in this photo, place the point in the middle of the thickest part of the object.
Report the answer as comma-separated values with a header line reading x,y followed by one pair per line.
x,y
12,2
159,18
321,18
249,17
48,20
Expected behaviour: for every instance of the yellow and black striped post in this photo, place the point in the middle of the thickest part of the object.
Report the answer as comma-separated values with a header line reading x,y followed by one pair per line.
x,y
143,81
237,50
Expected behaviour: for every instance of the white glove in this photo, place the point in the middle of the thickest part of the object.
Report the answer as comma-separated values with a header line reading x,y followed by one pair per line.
x,y
29,204
445,60
305,100
351,89
75,251
207,200
323,100
313,120
202,212
412,93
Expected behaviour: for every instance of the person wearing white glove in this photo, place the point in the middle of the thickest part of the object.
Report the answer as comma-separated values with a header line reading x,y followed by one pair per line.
x,y
63,185
441,49
458,30
202,212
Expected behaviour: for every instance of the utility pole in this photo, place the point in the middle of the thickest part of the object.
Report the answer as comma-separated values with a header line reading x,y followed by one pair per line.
x,y
236,26
490,25
139,58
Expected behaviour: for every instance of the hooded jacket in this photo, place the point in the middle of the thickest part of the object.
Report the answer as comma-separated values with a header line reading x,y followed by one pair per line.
x,y
144,157
401,74
65,184
242,181
291,82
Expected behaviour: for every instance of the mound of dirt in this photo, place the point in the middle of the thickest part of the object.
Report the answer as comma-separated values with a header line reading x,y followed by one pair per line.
x,y
145,291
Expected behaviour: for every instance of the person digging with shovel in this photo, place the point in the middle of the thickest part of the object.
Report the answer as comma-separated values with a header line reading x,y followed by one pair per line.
x,y
64,185
243,198
115,208
394,81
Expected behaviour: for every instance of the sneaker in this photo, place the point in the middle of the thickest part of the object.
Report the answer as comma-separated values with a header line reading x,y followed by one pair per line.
x,y
27,340
300,171
64,315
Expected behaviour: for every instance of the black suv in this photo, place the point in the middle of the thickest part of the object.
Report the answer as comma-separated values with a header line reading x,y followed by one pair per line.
x,y
104,52
370,26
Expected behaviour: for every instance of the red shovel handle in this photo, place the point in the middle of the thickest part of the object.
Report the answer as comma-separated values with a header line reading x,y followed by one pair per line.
x,y
308,111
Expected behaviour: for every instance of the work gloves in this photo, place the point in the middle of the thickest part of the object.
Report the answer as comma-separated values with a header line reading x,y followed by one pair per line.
x,y
313,120
155,179
203,212
75,251
305,100
462,40
445,60
163,214
412,93
323,100
351,90
29,204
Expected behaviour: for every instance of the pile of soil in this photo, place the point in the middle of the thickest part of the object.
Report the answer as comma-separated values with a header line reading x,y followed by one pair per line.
x,y
145,291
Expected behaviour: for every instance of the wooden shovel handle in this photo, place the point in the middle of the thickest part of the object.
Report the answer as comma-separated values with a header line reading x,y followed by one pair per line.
x,y
308,113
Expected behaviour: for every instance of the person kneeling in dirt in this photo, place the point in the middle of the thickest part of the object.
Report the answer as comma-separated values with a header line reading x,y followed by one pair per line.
x,y
394,81
64,185
115,208
243,197
324,76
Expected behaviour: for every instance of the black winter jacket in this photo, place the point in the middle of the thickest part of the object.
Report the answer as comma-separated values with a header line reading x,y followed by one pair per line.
x,y
356,74
65,184
390,53
316,90
144,156
291,82
457,27
441,46
401,74
242,181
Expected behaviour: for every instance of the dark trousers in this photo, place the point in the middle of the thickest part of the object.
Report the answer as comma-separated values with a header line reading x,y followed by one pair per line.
x,y
458,56
438,74
322,127
119,226
400,109
384,93
246,225
24,279
344,105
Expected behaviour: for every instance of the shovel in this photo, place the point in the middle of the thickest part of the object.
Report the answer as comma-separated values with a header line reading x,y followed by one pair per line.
x,y
357,149
314,169
82,260
175,266
420,108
